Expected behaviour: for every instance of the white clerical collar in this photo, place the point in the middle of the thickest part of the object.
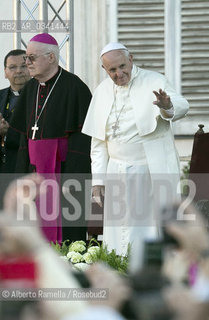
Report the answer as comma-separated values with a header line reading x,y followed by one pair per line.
x,y
42,83
134,73
16,93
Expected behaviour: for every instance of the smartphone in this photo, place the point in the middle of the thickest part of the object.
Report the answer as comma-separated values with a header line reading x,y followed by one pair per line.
x,y
169,214
153,253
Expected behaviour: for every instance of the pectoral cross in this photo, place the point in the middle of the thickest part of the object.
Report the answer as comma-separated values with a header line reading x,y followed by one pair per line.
x,y
115,127
34,128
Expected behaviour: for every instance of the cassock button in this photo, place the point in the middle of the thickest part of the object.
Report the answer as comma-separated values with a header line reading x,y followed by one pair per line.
x,y
39,107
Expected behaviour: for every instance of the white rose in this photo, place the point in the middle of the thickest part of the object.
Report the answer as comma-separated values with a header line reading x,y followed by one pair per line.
x,y
94,250
78,246
80,266
76,257
88,258
70,254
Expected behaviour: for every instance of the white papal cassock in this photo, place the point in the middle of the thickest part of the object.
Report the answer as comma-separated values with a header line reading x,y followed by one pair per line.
x,y
133,155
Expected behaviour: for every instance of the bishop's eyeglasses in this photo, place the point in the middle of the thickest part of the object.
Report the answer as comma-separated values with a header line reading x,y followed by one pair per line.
x,y
34,57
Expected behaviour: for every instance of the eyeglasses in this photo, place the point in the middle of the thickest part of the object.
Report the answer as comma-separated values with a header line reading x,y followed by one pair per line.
x,y
33,57
14,68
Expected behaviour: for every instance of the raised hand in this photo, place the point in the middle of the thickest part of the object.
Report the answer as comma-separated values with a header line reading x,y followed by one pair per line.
x,y
163,100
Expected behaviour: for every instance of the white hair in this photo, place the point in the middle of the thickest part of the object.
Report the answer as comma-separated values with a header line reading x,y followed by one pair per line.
x,y
51,48
55,49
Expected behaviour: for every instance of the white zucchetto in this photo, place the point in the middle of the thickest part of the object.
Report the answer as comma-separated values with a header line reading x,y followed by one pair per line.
x,y
112,46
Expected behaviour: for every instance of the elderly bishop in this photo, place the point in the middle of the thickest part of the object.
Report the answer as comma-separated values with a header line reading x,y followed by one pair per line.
x,y
50,114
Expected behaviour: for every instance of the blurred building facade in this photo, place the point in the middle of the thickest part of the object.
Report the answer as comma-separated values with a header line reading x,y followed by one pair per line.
x,y
168,36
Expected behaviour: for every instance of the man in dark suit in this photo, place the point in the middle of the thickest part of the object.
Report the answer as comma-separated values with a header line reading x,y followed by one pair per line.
x,y
17,73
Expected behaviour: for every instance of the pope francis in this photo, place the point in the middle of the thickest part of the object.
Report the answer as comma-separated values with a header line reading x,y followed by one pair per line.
x,y
135,165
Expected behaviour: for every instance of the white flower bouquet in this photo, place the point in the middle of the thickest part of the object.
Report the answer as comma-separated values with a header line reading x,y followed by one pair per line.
x,y
81,255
